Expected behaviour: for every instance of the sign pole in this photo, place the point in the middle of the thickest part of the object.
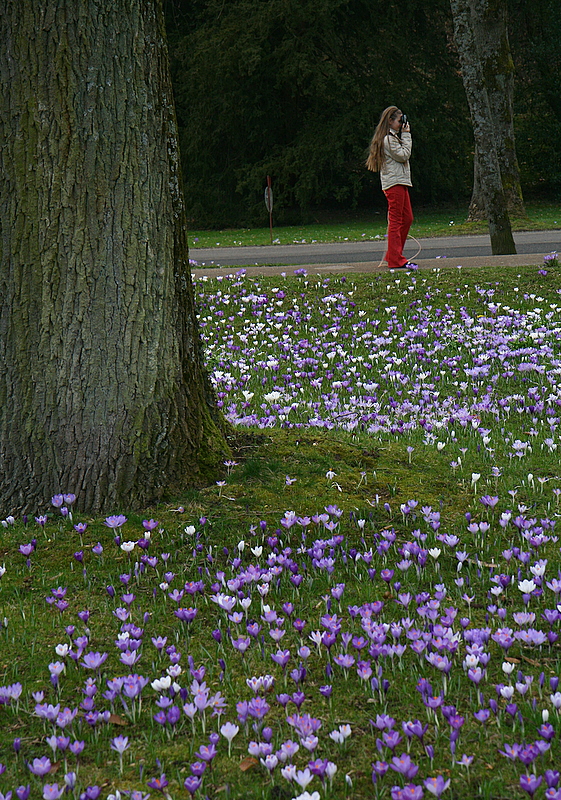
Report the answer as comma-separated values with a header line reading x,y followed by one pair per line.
x,y
269,204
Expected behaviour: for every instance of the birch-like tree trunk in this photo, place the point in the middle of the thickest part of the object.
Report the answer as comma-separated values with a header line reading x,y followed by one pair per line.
x,y
474,50
102,387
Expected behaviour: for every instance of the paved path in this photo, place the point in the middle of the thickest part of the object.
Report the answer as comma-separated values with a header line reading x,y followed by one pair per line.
x,y
446,251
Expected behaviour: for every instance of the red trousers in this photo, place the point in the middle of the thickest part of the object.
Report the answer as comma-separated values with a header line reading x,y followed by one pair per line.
x,y
400,217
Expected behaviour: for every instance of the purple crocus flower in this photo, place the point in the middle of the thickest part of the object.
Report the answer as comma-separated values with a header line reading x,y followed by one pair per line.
x,y
12,692
158,783
173,715
186,614
510,751
547,731
52,791
120,744
391,739
530,783
192,783
241,644
318,767
439,661
528,754
91,793
404,766
409,792
115,522
93,660
206,752
379,769
415,728
242,710
551,778
436,785
129,657
40,766
198,768
258,707
383,721
47,711
281,657
482,715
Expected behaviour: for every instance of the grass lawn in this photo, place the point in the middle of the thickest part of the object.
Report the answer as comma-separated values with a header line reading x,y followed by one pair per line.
x,y
366,602
428,222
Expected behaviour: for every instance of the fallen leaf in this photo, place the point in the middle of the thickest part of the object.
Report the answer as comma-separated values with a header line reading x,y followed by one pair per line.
x,y
115,719
248,763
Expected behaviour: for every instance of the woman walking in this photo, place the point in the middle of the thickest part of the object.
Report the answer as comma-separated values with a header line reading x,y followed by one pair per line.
x,y
390,150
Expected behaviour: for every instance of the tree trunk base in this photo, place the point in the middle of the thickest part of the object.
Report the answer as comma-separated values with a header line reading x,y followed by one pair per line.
x,y
476,213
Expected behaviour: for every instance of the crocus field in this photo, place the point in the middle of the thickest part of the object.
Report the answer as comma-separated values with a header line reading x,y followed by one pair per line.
x,y
366,604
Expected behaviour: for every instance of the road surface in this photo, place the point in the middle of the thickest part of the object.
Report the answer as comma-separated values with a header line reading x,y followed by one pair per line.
x,y
446,251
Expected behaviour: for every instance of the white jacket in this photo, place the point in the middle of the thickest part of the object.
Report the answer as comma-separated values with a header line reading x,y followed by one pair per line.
x,y
396,164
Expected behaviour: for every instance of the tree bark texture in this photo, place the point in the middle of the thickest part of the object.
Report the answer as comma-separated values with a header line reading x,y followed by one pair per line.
x,y
490,26
102,388
470,47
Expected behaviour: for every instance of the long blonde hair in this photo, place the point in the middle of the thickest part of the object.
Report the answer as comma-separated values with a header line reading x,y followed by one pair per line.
x,y
376,155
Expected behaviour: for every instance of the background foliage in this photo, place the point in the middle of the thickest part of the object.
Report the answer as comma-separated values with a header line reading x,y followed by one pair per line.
x,y
294,88
536,49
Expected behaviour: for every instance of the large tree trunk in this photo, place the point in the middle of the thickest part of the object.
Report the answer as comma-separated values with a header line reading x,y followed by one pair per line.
x,y
477,203
489,21
473,51
511,187
102,387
